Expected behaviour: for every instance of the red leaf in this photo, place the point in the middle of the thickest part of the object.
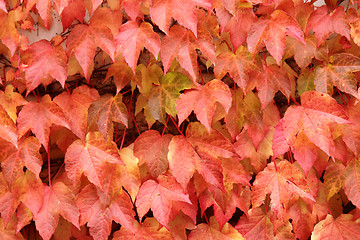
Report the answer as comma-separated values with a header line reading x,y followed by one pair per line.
x,y
75,106
237,65
344,227
339,73
98,210
271,32
182,44
103,112
132,38
42,62
324,23
14,159
351,180
276,79
161,12
257,224
298,119
39,117
58,199
202,100
282,182
149,229
152,148
159,197
83,41
212,232
89,158
75,9
199,151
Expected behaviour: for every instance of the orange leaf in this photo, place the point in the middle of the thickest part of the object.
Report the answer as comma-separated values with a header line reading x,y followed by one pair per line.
x,y
343,227
132,38
152,148
159,197
202,100
39,117
42,63
282,182
89,158
83,41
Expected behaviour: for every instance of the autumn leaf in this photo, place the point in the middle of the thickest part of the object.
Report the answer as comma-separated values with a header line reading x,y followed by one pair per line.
x,y
276,79
338,72
199,151
152,148
47,113
75,9
351,180
324,23
212,231
10,100
75,106
182,44
106,110
303,219
8,129
202,100
132,38
304,53
162,11
9,35
57,199
98,210
272,32
89,158
26,155
42,63
237,65
256,224
282,182
343,227
238,25
159,197
298,119
162,98
121,73
149,229
83,41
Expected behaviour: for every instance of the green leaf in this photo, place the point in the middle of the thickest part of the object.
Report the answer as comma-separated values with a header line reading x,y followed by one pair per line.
x,y
163,98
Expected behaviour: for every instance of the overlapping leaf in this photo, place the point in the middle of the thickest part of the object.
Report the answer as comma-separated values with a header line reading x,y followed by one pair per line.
x,y
202,100
339,73
160,197
282,182
272,32
42,63
132,38
83,41
182,44
106,110
156,159
162,98
90,158
39,117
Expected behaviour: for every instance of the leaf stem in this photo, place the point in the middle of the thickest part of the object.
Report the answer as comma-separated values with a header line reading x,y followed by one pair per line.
x,y
36,96
163,132
49,172
176,126
123,138
294,100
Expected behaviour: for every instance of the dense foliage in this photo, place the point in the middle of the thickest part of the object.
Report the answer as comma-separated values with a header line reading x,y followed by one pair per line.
x,y
179,119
